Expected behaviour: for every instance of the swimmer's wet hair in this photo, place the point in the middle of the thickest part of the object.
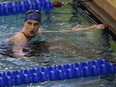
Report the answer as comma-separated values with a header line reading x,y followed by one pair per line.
x,y
34,15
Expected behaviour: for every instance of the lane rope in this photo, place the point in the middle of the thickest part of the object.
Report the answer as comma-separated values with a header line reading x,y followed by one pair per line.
x,y
57,72
21,7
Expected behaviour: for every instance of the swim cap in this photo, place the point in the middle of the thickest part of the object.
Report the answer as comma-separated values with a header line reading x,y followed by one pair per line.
x,y
33,15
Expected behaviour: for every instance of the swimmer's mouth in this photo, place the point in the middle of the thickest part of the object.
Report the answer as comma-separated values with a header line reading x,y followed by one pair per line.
x,y
32,32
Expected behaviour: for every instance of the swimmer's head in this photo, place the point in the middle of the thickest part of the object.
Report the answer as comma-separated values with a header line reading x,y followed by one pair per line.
x,y
33,15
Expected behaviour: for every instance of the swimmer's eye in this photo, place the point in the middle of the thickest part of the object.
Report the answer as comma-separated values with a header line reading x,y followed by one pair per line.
x,y
36,24
29,23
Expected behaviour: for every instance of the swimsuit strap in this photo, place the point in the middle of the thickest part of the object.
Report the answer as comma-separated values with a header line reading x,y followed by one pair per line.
x,y
25,35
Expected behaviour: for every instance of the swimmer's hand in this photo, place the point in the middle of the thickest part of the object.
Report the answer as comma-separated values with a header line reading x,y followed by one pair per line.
x,y
98,26
25,58
20,56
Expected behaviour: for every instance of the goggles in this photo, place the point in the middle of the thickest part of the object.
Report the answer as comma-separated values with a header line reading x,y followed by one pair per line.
x,y
31,11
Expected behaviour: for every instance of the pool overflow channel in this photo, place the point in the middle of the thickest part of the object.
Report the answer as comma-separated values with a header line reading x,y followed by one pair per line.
x,y
57,72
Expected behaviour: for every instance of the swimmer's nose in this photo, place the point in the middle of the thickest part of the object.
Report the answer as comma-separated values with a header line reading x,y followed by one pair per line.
x,y
32,27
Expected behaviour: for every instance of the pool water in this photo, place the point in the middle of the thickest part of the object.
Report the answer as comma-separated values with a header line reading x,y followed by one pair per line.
x,y
66,47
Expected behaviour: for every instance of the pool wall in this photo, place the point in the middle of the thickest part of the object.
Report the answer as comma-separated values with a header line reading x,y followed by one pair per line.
x,y
105,11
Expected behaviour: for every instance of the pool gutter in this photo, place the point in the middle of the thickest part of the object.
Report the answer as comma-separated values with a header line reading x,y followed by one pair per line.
x,y
105,16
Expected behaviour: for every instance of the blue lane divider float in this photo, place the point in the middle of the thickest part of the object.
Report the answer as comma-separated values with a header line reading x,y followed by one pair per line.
x,y
21,7
57,72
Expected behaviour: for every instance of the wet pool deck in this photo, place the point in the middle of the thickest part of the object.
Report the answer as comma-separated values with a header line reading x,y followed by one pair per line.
x,y
104,10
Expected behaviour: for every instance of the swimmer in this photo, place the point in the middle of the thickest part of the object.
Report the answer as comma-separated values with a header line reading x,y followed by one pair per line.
x,y
21,39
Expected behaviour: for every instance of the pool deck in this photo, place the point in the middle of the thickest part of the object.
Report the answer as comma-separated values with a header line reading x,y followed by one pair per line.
x,y
104,10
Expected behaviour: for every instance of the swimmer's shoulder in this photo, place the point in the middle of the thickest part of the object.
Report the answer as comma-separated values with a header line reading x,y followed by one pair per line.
x,y
19,37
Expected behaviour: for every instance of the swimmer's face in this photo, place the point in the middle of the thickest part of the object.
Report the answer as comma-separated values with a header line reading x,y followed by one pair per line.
x,y
31,27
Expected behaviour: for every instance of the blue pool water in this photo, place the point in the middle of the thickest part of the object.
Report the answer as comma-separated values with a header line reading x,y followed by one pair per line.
x,y
66,47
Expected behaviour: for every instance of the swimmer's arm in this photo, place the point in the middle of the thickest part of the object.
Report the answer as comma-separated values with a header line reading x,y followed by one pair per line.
x,y
18,50
99,26
19,42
